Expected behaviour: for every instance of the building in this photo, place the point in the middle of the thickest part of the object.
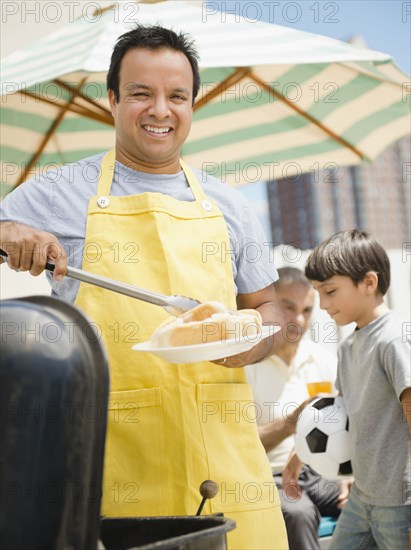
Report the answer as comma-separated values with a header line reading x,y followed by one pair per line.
x,y
375,197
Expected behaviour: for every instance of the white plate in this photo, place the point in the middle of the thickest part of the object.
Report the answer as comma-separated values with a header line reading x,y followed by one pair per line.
x,y
206,352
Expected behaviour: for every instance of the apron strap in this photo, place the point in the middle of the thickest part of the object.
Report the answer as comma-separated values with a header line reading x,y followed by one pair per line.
x,y
195,187
107,171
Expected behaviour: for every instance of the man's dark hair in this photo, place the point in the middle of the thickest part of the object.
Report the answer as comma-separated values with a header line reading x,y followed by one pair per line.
x,y
152,37
351,253
291,275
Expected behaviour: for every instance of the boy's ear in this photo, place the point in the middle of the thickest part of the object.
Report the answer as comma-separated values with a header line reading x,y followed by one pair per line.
x,y
370,282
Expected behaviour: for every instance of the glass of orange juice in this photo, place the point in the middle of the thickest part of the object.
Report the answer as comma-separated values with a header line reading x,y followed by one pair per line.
x,y
319,387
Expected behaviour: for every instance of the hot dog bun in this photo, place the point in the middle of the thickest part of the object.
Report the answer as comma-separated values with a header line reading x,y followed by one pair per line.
x,y
208,322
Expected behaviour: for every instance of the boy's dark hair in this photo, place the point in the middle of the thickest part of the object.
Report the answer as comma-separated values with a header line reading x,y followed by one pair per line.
x,y
291,275
152,37
351,253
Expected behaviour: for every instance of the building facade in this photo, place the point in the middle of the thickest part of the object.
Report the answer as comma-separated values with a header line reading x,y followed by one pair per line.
x,y
375,197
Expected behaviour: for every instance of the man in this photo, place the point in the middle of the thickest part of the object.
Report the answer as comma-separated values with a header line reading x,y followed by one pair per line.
x,y
134,215
280,393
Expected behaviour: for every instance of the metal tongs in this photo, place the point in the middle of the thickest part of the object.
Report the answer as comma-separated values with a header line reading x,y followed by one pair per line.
x,y
175,305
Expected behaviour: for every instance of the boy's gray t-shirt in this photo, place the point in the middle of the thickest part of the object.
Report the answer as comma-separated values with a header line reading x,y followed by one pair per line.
x,y
373,370
57,202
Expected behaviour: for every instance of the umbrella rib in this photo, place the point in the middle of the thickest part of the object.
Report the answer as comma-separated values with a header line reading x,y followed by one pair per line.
x,y
79,93
99,11
231,80
73,107
307,116
83,111
48,136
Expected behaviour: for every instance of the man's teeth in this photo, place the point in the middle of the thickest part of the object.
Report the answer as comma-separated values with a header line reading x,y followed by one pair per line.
x,y
157,130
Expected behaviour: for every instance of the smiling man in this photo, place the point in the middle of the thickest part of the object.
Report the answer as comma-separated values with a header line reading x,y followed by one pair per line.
x,y
153,110
139,214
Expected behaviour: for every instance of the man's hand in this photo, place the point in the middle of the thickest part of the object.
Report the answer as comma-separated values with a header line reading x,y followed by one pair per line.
x,y
265,302
273,433
345,488
291,474
29,249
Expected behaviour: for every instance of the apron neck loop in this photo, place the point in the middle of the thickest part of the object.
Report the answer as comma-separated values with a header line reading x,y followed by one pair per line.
x,y
107,172
108,165
195,187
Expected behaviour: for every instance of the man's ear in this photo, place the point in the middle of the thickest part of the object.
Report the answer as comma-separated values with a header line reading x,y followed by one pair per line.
x,y
112,100
370,282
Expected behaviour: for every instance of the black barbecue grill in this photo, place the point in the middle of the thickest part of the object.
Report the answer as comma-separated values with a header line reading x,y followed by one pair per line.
x,y
54,397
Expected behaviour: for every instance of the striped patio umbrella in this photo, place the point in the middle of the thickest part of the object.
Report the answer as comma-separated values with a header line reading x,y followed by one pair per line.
x,y
274,101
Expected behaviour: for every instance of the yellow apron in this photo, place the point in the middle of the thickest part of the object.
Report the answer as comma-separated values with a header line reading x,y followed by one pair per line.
x,y
171,426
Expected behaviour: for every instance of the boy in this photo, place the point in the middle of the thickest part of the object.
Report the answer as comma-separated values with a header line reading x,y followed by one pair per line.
x,y
351,272
280,392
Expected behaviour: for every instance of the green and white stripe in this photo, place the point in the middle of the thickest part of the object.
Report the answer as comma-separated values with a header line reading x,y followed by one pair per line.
x,y
242,135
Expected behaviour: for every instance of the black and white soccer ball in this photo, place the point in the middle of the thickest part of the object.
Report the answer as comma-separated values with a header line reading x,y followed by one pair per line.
x,y
321,438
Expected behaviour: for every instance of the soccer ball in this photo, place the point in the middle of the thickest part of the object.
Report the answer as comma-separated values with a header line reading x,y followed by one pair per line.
x,y
321,438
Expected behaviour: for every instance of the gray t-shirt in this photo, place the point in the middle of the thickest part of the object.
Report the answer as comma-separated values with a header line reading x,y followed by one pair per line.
x,y
57,202
373,371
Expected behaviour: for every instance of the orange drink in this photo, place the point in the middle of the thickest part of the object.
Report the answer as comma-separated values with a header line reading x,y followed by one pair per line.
x,y
318,387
